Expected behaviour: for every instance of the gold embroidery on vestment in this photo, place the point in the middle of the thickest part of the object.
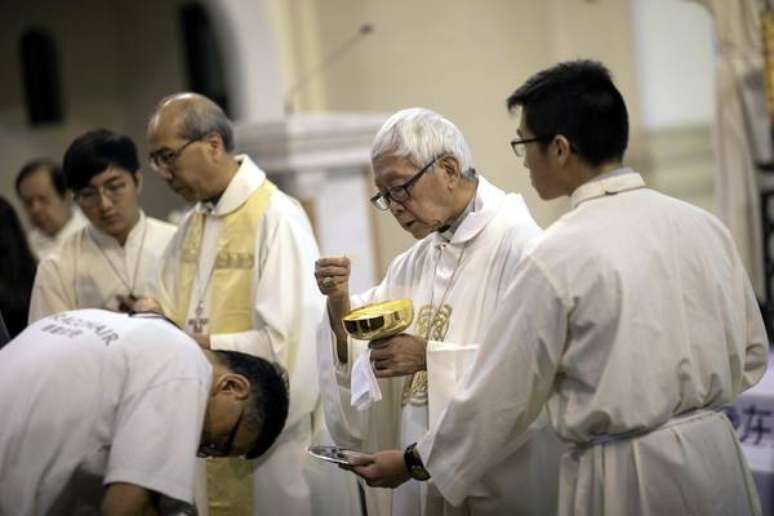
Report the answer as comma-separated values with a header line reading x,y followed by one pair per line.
x,y
415,390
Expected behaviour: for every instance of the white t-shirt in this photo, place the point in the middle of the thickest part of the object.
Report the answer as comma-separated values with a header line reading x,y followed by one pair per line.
x,y
90,397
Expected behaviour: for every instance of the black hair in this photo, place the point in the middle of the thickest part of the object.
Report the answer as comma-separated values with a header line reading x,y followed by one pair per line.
x,y
18,271
93,152
53,169
578,100
269,395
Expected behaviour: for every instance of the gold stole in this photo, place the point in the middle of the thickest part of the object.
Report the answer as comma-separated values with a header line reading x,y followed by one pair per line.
x,y
229,482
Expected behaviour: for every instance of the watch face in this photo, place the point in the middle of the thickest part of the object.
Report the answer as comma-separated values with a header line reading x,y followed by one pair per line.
x,y
419,473
334,454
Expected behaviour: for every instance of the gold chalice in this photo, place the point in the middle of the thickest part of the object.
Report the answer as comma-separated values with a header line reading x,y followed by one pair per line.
x,y
379,320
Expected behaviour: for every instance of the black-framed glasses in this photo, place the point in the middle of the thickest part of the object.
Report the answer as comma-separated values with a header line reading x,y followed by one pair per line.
x,y
211,450
518,144
400,193
164,159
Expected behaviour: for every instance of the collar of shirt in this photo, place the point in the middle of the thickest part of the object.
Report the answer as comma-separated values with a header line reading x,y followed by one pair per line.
x,y
609,183
480,211
247,179
76,221
448,233
107,241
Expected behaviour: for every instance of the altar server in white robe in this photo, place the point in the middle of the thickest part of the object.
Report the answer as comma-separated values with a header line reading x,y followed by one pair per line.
x,y
471,235
238,276
114,257
632,317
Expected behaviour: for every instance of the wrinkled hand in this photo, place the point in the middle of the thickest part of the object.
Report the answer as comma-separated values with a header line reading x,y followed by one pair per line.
x,y
382,469
332,275
399,355
139,304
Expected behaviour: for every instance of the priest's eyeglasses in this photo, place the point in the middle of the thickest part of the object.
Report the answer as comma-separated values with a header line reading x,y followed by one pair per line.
x,y
211,450
164,159
518,144
113,190
400,193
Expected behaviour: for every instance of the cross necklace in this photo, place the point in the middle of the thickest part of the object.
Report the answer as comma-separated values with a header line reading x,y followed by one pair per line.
x,y
130,282
203,275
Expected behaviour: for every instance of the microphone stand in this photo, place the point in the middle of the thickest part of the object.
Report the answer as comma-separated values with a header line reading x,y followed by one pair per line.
x,y
363,31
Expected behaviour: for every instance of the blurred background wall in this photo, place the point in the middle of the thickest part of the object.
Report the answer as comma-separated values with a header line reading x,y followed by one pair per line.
x,y
116,58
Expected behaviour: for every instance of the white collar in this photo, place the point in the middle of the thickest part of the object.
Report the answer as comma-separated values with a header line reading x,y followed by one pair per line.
x,y
609,183
487,202
247,179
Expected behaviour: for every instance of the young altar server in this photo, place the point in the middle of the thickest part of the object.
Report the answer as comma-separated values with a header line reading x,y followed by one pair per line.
x,y
117,255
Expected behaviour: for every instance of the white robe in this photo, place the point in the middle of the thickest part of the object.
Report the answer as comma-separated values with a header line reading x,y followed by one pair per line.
x,y
78,274
473,264
286,311
42,244
631,309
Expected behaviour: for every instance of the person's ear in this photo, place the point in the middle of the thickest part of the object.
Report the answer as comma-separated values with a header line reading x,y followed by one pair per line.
x,y
232,384
138,181
451,168
214,146
561,148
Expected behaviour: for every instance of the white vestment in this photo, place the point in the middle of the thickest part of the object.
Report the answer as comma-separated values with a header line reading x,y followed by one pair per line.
x,y
90,269
456,283
632,317
89,398
42,244
285,313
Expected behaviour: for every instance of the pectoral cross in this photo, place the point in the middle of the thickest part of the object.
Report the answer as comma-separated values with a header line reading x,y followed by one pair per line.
x,y
199,322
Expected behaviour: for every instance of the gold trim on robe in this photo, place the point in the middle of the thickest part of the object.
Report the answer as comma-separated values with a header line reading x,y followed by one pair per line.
x,y
229,481
433,324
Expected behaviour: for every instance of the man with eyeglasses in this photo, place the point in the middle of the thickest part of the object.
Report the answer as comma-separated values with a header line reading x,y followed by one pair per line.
x,y
471,235
238,276
115,257
103,413
632,320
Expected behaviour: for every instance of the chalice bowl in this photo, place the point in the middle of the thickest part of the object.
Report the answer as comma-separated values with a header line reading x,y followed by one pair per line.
x,y
379,320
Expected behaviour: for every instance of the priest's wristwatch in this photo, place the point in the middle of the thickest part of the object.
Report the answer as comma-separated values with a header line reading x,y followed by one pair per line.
x,y
416,469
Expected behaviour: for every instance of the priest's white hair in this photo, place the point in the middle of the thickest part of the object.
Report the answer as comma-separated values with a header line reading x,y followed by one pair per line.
x,y
420,135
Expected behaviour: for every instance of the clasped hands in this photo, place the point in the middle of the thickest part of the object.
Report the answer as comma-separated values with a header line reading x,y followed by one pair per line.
x,y
148,304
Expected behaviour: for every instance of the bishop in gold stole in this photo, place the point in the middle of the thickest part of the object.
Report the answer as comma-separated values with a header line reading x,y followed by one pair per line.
x,y
229,481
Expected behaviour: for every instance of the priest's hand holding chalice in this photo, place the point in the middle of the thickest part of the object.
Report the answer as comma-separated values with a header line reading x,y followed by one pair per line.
x,y
393,353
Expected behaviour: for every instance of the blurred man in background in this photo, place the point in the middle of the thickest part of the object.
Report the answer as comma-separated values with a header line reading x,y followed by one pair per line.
x,y
48,203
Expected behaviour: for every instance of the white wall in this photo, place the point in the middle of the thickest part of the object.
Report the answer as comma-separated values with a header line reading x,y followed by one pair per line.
x,y
118,58
676,69
676,63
